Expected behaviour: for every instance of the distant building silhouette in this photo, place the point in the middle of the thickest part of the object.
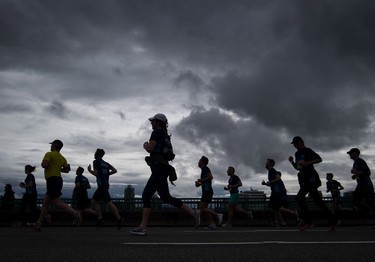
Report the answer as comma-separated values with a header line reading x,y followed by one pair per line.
x,y
253,199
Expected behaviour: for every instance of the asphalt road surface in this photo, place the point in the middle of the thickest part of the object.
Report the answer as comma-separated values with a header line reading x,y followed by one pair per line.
x,y
355,243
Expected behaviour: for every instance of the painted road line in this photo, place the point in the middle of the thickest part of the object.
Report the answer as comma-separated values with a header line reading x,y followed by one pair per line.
x,y
247,243
255,231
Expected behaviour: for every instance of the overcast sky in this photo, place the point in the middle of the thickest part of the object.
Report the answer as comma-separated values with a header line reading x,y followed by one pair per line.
x,y
236,79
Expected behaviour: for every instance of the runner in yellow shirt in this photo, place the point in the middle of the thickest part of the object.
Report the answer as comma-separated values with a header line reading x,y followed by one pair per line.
x,y
54,163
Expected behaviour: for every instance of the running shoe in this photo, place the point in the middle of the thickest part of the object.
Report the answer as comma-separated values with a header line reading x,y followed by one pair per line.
x,y
297,216
219,219
197,218
250,214
333,227
77,219
138,231
211,226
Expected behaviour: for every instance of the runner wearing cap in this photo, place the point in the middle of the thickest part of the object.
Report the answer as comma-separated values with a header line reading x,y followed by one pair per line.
x,y
158,181
54,164
309,181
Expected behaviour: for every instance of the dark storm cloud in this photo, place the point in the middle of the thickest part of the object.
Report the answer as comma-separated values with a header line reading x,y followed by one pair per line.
x,y
189,80
49,36
85,47
39,29
274,68
232,140
57,108
121,114
298,107
7,107
313,75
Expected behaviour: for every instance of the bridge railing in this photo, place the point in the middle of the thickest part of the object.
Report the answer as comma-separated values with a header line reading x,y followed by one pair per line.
x,y
253,203
164,214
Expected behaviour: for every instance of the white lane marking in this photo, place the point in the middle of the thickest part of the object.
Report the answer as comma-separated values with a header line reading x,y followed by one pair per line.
x,y
254,231
250,243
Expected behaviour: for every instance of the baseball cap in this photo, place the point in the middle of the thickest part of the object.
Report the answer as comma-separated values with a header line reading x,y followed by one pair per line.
x,y
160,117
57,143
296,139
354,150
